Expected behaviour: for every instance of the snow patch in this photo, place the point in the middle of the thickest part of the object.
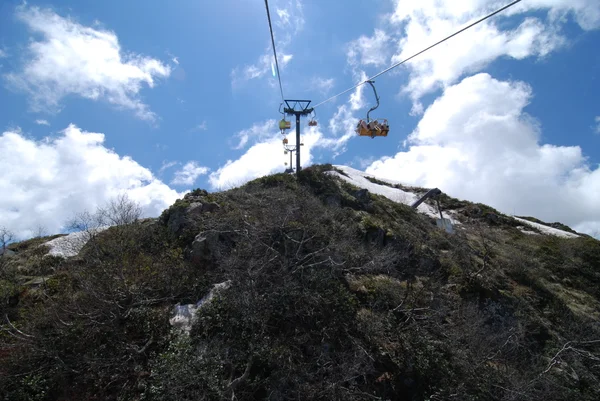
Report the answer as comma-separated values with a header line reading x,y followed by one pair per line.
x,y
357,178
547,230
183,316
71,244
526,231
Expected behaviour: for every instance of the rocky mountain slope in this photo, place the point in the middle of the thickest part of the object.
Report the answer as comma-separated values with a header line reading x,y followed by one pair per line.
x,y
325,286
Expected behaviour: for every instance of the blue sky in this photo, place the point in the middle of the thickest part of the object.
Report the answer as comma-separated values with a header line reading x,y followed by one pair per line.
x,y
154,98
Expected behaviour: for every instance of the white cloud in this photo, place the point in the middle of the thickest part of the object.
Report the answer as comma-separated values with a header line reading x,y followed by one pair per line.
x,y
261,68
288,20
70,58
598,124
189,173
203,126
258,132
375,50
42,122
290,17
166,165
475,142
3,54
263,158
175,60
585,12
46,182
322,85
417,25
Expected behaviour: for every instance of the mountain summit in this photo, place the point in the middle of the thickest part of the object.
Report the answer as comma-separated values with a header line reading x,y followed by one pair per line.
x,y
327,285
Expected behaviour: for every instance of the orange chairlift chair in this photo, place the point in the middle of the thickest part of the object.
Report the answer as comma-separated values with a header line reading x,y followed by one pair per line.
x,y
376,127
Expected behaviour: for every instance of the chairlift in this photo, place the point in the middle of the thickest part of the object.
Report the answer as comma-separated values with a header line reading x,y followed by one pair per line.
x,y
283,123
312,122
375,127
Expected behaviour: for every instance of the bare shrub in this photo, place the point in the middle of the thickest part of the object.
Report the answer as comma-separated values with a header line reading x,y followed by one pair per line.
x,y
6,237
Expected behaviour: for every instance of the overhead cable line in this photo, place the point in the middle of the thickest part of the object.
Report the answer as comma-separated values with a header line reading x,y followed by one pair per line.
x,y
421,52
274,51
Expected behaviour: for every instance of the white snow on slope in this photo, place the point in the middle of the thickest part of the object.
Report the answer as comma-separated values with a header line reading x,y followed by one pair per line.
x,y
71,244
183,316
548,230
357,178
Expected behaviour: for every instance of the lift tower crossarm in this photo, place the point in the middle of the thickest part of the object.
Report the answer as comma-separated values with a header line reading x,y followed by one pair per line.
x,y
297,108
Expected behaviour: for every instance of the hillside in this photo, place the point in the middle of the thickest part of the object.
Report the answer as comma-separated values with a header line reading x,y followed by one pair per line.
x,y
325,286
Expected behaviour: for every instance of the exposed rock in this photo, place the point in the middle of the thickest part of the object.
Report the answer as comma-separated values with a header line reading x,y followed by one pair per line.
x,y
334,200
362,195
177,219
194,208
376,235
492,218
6,252
473,211
37,281
210,207
204,247
196,194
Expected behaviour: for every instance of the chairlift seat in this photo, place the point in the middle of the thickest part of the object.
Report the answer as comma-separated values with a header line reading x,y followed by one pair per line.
x,y
284,124
373,128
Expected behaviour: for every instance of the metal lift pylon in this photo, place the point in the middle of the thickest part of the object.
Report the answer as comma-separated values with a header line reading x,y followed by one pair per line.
x,y
297,108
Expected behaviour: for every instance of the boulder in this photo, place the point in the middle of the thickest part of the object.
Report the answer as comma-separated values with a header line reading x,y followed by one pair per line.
x,y
376,235
205,247
362,195
196,194
334,200
194,208
177,219
492,218
210,207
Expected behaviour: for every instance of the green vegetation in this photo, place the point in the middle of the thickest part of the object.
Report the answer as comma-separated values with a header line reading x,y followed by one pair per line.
x,y
336,294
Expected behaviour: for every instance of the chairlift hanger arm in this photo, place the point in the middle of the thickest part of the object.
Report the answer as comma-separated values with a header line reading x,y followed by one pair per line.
x,y
292,104
376,98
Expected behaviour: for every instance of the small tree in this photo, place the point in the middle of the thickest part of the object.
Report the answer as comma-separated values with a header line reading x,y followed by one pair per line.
x,y
40,231
6,236
119,211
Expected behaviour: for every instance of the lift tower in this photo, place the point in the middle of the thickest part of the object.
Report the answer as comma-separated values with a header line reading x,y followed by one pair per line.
x,y
297,108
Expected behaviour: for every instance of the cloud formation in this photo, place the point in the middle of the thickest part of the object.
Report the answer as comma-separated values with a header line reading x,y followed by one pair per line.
x,y
264,157
475,142
258,131
416,25
322,85
189,173
46,182
285,28
374,50
203,126
68,58
42,122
